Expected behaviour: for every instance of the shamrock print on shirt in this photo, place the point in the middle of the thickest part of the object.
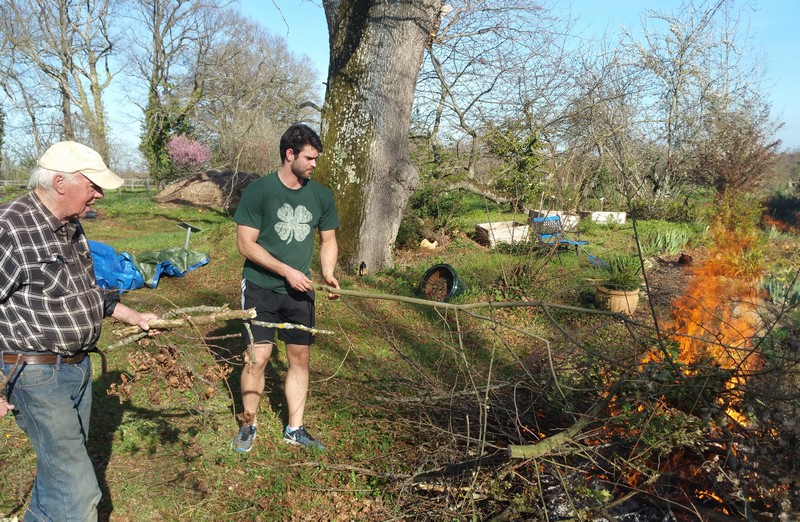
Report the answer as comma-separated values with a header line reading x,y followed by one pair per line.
x,y
293,223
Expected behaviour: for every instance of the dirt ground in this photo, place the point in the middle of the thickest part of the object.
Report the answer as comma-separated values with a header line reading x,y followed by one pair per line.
x,y
667,278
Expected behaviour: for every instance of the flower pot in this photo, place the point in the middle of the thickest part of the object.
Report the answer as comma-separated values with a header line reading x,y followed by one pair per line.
x,y
441,283
620,301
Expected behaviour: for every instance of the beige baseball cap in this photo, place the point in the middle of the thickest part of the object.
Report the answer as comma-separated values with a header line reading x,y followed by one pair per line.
x,y
70,157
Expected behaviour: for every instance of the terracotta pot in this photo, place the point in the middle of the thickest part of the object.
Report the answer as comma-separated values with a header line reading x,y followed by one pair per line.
x,y
623,301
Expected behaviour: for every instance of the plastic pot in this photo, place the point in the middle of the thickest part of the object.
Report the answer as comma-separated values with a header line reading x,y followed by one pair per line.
x,y
441,283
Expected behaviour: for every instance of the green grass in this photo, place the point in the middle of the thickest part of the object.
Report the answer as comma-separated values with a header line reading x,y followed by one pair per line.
x,y
375,384
141,226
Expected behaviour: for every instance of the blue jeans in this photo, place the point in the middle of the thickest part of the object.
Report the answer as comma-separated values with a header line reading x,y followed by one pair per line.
x,y
53,403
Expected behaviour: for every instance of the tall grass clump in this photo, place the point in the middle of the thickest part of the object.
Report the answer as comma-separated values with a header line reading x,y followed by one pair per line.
x,y
662,237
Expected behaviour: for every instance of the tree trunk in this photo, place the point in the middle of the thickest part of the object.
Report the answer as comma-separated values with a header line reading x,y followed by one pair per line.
x,y
376,54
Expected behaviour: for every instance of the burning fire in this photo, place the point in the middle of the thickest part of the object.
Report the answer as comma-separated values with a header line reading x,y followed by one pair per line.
x,y
711,347
717,318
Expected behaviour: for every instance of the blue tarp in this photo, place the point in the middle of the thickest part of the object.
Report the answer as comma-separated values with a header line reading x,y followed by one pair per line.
x,y
128,272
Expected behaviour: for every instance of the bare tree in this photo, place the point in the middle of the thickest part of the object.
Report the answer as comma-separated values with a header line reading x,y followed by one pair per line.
x,y
179,37
254,87
488,61
651,111
20,99
603,121
2,134
65,45
785,173
693,68
376,53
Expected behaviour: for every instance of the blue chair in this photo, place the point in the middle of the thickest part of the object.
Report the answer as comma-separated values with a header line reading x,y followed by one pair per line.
x,y
549,233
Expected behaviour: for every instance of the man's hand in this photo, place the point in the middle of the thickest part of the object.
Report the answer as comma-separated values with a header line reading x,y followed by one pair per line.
x,y
132,317
144,318
331,281
5,407
297,279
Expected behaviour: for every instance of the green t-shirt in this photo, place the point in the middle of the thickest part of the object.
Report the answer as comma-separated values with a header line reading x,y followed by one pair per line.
x,y
286,219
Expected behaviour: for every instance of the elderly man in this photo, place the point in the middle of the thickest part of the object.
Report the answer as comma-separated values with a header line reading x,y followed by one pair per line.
x,y
51,311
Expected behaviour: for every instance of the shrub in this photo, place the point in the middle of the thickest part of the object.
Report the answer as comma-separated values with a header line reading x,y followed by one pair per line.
x,y
519,155
410,232
188,156
784,209
436,205
663,209
738,213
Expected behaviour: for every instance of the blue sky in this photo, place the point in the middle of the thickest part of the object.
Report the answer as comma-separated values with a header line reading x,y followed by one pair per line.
x,y
774,26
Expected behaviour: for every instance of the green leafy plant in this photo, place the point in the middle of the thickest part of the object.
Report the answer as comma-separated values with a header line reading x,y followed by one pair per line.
x,y
783,289
624,272
665,241
519,155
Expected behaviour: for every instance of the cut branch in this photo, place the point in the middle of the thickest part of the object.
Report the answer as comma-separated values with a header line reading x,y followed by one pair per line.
x,y
130,334
223,314
531,451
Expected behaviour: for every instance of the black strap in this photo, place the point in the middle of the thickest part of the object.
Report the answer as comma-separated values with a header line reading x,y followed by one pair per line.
x,y
103,362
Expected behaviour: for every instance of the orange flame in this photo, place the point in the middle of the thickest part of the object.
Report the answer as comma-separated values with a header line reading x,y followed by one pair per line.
x,y
718,317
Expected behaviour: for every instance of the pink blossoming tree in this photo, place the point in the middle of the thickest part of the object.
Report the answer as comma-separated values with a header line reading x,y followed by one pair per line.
x,y
188,156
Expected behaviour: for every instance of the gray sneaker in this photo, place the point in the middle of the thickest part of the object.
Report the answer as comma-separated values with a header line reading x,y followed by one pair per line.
x,y
301,437
244,439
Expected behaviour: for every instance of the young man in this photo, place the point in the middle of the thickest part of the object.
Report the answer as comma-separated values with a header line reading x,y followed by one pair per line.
x,y
276,217
51,310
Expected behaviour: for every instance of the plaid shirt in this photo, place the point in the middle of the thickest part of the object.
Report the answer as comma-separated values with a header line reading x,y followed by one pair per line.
x,y
49,301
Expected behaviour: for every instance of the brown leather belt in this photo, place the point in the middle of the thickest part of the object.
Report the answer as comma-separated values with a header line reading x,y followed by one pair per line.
x,y
41,358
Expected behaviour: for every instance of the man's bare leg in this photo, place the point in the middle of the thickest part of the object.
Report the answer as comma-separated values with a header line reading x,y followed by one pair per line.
x,y
253,379
296,394
297,382
253,382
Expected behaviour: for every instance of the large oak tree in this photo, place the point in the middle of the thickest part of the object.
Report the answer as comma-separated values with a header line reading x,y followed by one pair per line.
x,y
376,53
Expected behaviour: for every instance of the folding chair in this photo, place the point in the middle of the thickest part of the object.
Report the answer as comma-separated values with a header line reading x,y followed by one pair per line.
x,y
550,233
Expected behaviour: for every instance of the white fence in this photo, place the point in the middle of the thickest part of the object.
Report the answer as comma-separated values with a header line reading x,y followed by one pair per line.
x,y
131,184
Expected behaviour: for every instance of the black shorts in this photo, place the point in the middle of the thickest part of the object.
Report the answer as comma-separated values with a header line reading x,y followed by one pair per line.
x,y
273,307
